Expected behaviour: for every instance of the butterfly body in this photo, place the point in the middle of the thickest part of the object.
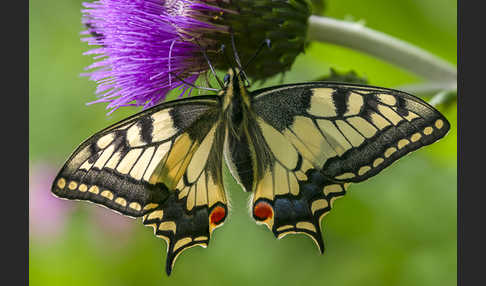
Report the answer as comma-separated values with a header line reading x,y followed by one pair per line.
x,y
294,147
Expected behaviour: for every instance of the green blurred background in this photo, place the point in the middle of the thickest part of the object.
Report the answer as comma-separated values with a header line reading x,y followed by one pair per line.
x,y
398,228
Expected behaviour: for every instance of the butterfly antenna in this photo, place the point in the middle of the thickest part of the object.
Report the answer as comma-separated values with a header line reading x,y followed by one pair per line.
x,y
235,52
192,85
203,51
266,42
237,59
225,56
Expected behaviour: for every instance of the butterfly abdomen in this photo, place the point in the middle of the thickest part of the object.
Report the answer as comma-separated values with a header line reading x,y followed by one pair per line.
x,y
238,157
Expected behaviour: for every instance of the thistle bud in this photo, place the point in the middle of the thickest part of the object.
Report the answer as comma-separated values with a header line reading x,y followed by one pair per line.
x,y
283,22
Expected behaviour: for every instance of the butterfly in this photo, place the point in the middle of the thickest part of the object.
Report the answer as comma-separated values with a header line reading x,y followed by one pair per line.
x,y
294,147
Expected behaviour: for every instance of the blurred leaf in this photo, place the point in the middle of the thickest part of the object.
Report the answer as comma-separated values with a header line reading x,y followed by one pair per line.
x,y
318,6
348,77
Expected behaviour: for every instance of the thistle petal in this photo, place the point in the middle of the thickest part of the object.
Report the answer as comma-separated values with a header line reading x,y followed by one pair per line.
x,y
142,44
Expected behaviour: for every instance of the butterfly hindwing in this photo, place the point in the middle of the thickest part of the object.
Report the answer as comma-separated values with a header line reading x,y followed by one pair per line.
x,y
322,136
290,195
164,164
198,205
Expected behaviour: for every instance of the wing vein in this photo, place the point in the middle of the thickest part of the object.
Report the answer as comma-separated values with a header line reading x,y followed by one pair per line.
x,y
324,136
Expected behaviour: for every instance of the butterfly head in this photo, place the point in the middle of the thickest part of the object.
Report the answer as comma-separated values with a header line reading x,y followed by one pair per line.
x,y
235,88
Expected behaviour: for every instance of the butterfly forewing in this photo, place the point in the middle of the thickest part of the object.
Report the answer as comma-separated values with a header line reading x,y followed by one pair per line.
x,y
350,132
321,136
163,163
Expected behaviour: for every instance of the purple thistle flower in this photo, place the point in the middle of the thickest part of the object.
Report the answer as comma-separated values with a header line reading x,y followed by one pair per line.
x,y
145,47
142,44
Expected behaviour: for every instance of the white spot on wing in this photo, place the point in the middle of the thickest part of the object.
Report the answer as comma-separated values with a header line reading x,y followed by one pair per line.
x,y
128,161
86,165
354,104
134,136
279,145
163,126
159,154
281,180
142,163
387,99
411,116
104,141
201,194
379,121
389,114
322,103
308,133
363,126
113,160
198,161
334,136
100,163
354,137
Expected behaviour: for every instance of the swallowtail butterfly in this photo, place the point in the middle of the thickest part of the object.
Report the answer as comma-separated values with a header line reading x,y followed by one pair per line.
x,y
294,147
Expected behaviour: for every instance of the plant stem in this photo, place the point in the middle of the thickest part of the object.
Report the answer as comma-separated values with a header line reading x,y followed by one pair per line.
x,y
380,45
443,96
427,87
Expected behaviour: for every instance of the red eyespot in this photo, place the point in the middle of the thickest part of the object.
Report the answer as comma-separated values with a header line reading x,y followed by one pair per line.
x,y
262,211
217,215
